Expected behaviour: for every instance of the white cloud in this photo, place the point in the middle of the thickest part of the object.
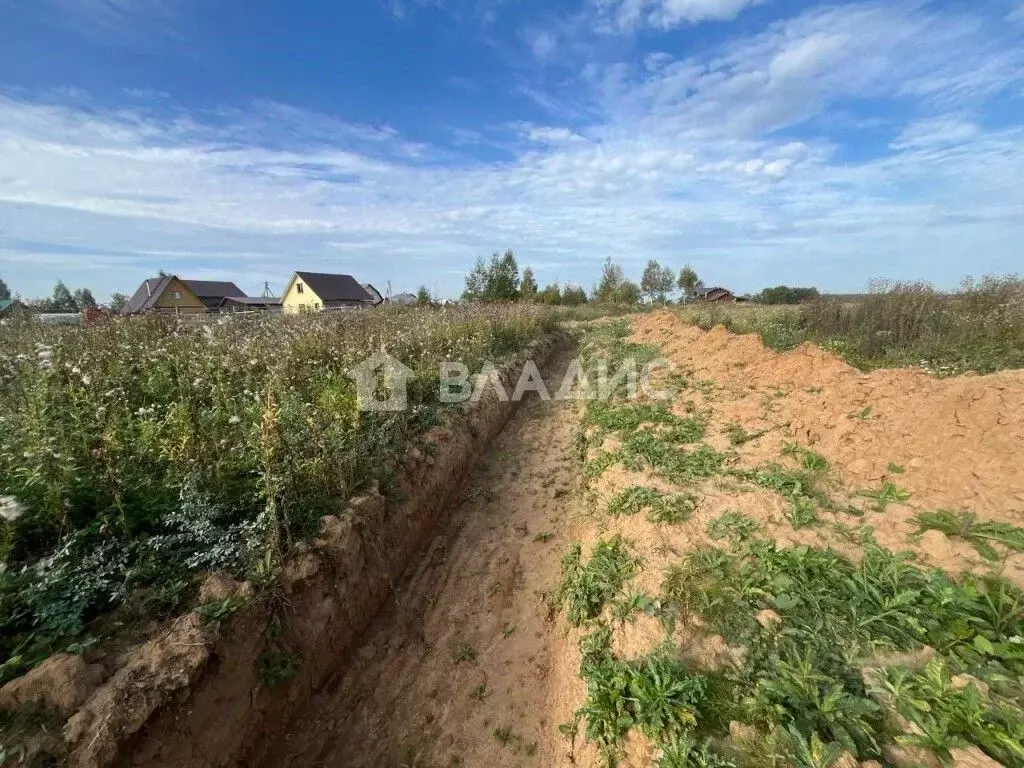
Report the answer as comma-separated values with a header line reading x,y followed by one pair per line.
x,y
628,15
543,43
936,132
670,158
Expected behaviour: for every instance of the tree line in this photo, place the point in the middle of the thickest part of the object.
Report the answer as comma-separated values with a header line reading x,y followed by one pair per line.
x,y
63,299
499,279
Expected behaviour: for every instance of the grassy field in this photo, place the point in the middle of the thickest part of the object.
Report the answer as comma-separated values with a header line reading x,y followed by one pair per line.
x,y
834,658
979,328
139,453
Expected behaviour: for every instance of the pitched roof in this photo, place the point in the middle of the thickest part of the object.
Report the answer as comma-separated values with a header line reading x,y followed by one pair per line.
x,y
213,292
210,288
147,294
256,301
374,293
335,287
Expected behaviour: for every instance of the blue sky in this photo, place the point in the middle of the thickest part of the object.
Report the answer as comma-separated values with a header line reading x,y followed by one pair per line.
x,y
763,141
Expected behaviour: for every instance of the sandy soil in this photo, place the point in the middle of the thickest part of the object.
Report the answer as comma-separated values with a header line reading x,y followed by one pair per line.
x,y
957,441
465,648
473,647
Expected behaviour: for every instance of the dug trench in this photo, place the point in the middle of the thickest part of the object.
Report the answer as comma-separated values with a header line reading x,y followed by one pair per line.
x,y
222,688
456,670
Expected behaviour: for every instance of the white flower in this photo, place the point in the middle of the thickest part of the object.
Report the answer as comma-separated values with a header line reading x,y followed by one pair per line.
x,y
86,380
10,508
234,420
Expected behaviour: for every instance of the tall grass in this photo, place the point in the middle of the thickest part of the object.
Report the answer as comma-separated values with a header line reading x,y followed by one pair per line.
x,y
979,328
139,452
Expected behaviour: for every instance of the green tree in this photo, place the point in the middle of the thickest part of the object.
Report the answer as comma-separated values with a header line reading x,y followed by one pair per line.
x,y
84,299
689,283
476,281
528,289
784,294
423,297
62,300
494,281
627,292
118,301
612,278
503,279
573,296
5,292
551,294
657,281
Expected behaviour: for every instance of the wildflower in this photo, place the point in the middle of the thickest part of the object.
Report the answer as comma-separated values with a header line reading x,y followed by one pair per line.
x,y
86,380
10,508
234,420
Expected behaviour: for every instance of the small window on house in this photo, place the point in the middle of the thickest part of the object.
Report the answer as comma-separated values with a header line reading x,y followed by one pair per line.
x,y
177,295
298,287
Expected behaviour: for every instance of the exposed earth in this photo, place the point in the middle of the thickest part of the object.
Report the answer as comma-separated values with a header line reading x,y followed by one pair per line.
x,y
474,664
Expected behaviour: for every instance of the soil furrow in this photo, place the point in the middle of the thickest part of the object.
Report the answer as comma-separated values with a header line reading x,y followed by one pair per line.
x,y
455,671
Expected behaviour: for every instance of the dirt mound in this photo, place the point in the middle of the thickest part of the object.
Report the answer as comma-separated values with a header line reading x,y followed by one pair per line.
x,y
950,443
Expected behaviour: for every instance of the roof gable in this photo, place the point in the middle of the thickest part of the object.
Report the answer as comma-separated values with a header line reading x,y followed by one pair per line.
x,y
210,288
334,287
147,294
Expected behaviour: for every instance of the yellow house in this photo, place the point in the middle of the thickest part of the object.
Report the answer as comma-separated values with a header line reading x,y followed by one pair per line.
x,y
164,294
315,291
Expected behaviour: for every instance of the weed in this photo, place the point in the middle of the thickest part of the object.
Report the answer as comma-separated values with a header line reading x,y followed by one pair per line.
x,y
801,512
216,612
504,735
465,653
979,534
862,415
481,692
585,589
814,462
143,452
668,508
507,631
623,609
645,449
656,694
732,524
889,493
683,752
738,435
894,468
544,537
276,667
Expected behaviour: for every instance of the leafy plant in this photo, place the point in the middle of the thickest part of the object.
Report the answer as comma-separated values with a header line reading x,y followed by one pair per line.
x,y
661,507
980,534
732,524
586,588
889,493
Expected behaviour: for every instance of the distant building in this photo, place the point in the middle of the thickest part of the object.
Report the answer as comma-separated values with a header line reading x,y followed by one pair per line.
x,y
314,291
719,295
166,294
171,294
250,304
213,292
403,299
374,293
